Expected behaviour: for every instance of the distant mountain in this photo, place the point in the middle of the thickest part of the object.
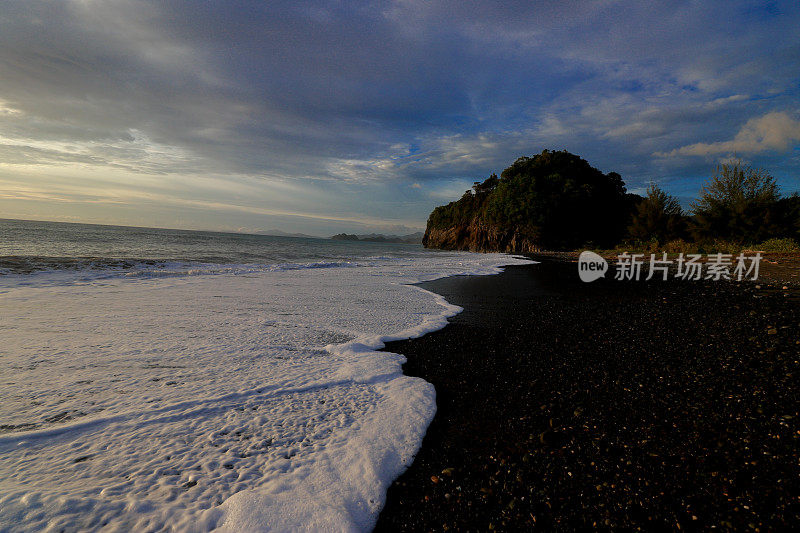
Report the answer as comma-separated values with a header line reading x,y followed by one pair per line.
x,y
411,238
279,233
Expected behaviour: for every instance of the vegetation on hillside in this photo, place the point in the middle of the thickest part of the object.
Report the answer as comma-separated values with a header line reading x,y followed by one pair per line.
x,y
559,201
555,198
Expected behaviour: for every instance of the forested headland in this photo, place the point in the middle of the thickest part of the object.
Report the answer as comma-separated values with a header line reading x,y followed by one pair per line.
x,y
557,201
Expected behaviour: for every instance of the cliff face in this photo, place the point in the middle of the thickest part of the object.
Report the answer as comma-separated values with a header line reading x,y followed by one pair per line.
x,y
478,237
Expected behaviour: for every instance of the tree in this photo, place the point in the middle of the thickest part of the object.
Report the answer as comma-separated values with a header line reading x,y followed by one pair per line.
x,y
788,209
487,186
658,216
738,204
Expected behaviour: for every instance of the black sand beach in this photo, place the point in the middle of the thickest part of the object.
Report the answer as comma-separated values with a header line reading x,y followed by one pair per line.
x,y
626,405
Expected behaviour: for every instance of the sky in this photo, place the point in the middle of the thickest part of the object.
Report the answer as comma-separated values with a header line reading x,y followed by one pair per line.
x,y
323,117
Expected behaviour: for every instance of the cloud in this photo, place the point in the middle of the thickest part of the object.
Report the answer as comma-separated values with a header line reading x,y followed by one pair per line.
x,y
434,93
776,131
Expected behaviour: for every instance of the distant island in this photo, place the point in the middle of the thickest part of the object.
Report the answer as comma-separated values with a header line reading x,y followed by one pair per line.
x,y
281,233
411,238
557,201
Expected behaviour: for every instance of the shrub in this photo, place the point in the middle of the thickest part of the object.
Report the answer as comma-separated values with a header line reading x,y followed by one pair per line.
x,y
778,245
720,246
678,246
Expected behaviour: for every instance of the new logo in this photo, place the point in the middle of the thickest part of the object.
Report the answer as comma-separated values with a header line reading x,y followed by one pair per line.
x,y
591,266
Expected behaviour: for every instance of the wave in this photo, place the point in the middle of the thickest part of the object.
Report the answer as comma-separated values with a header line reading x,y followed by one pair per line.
x,y
179,270
34,270
244,398
29,264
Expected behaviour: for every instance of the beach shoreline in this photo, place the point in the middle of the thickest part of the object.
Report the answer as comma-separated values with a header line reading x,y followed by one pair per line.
x,y
564,405
160,391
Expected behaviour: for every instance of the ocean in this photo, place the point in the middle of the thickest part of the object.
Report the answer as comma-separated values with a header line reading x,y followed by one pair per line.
x,y
156,379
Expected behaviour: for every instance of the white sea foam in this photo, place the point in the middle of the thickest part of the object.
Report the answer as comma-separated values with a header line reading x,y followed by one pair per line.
x,y
239,397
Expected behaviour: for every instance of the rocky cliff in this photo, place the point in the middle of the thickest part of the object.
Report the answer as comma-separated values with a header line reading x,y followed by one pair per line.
x,y
478,237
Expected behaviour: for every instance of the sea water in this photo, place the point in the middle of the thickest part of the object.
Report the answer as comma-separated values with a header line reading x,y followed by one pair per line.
x,y
176,380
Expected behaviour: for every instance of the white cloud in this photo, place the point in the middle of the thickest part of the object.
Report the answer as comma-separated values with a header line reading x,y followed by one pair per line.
x,y
774,131
450,190
136,153
7,110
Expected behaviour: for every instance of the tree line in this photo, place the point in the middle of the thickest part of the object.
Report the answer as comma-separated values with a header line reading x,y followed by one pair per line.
x,y
739,206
